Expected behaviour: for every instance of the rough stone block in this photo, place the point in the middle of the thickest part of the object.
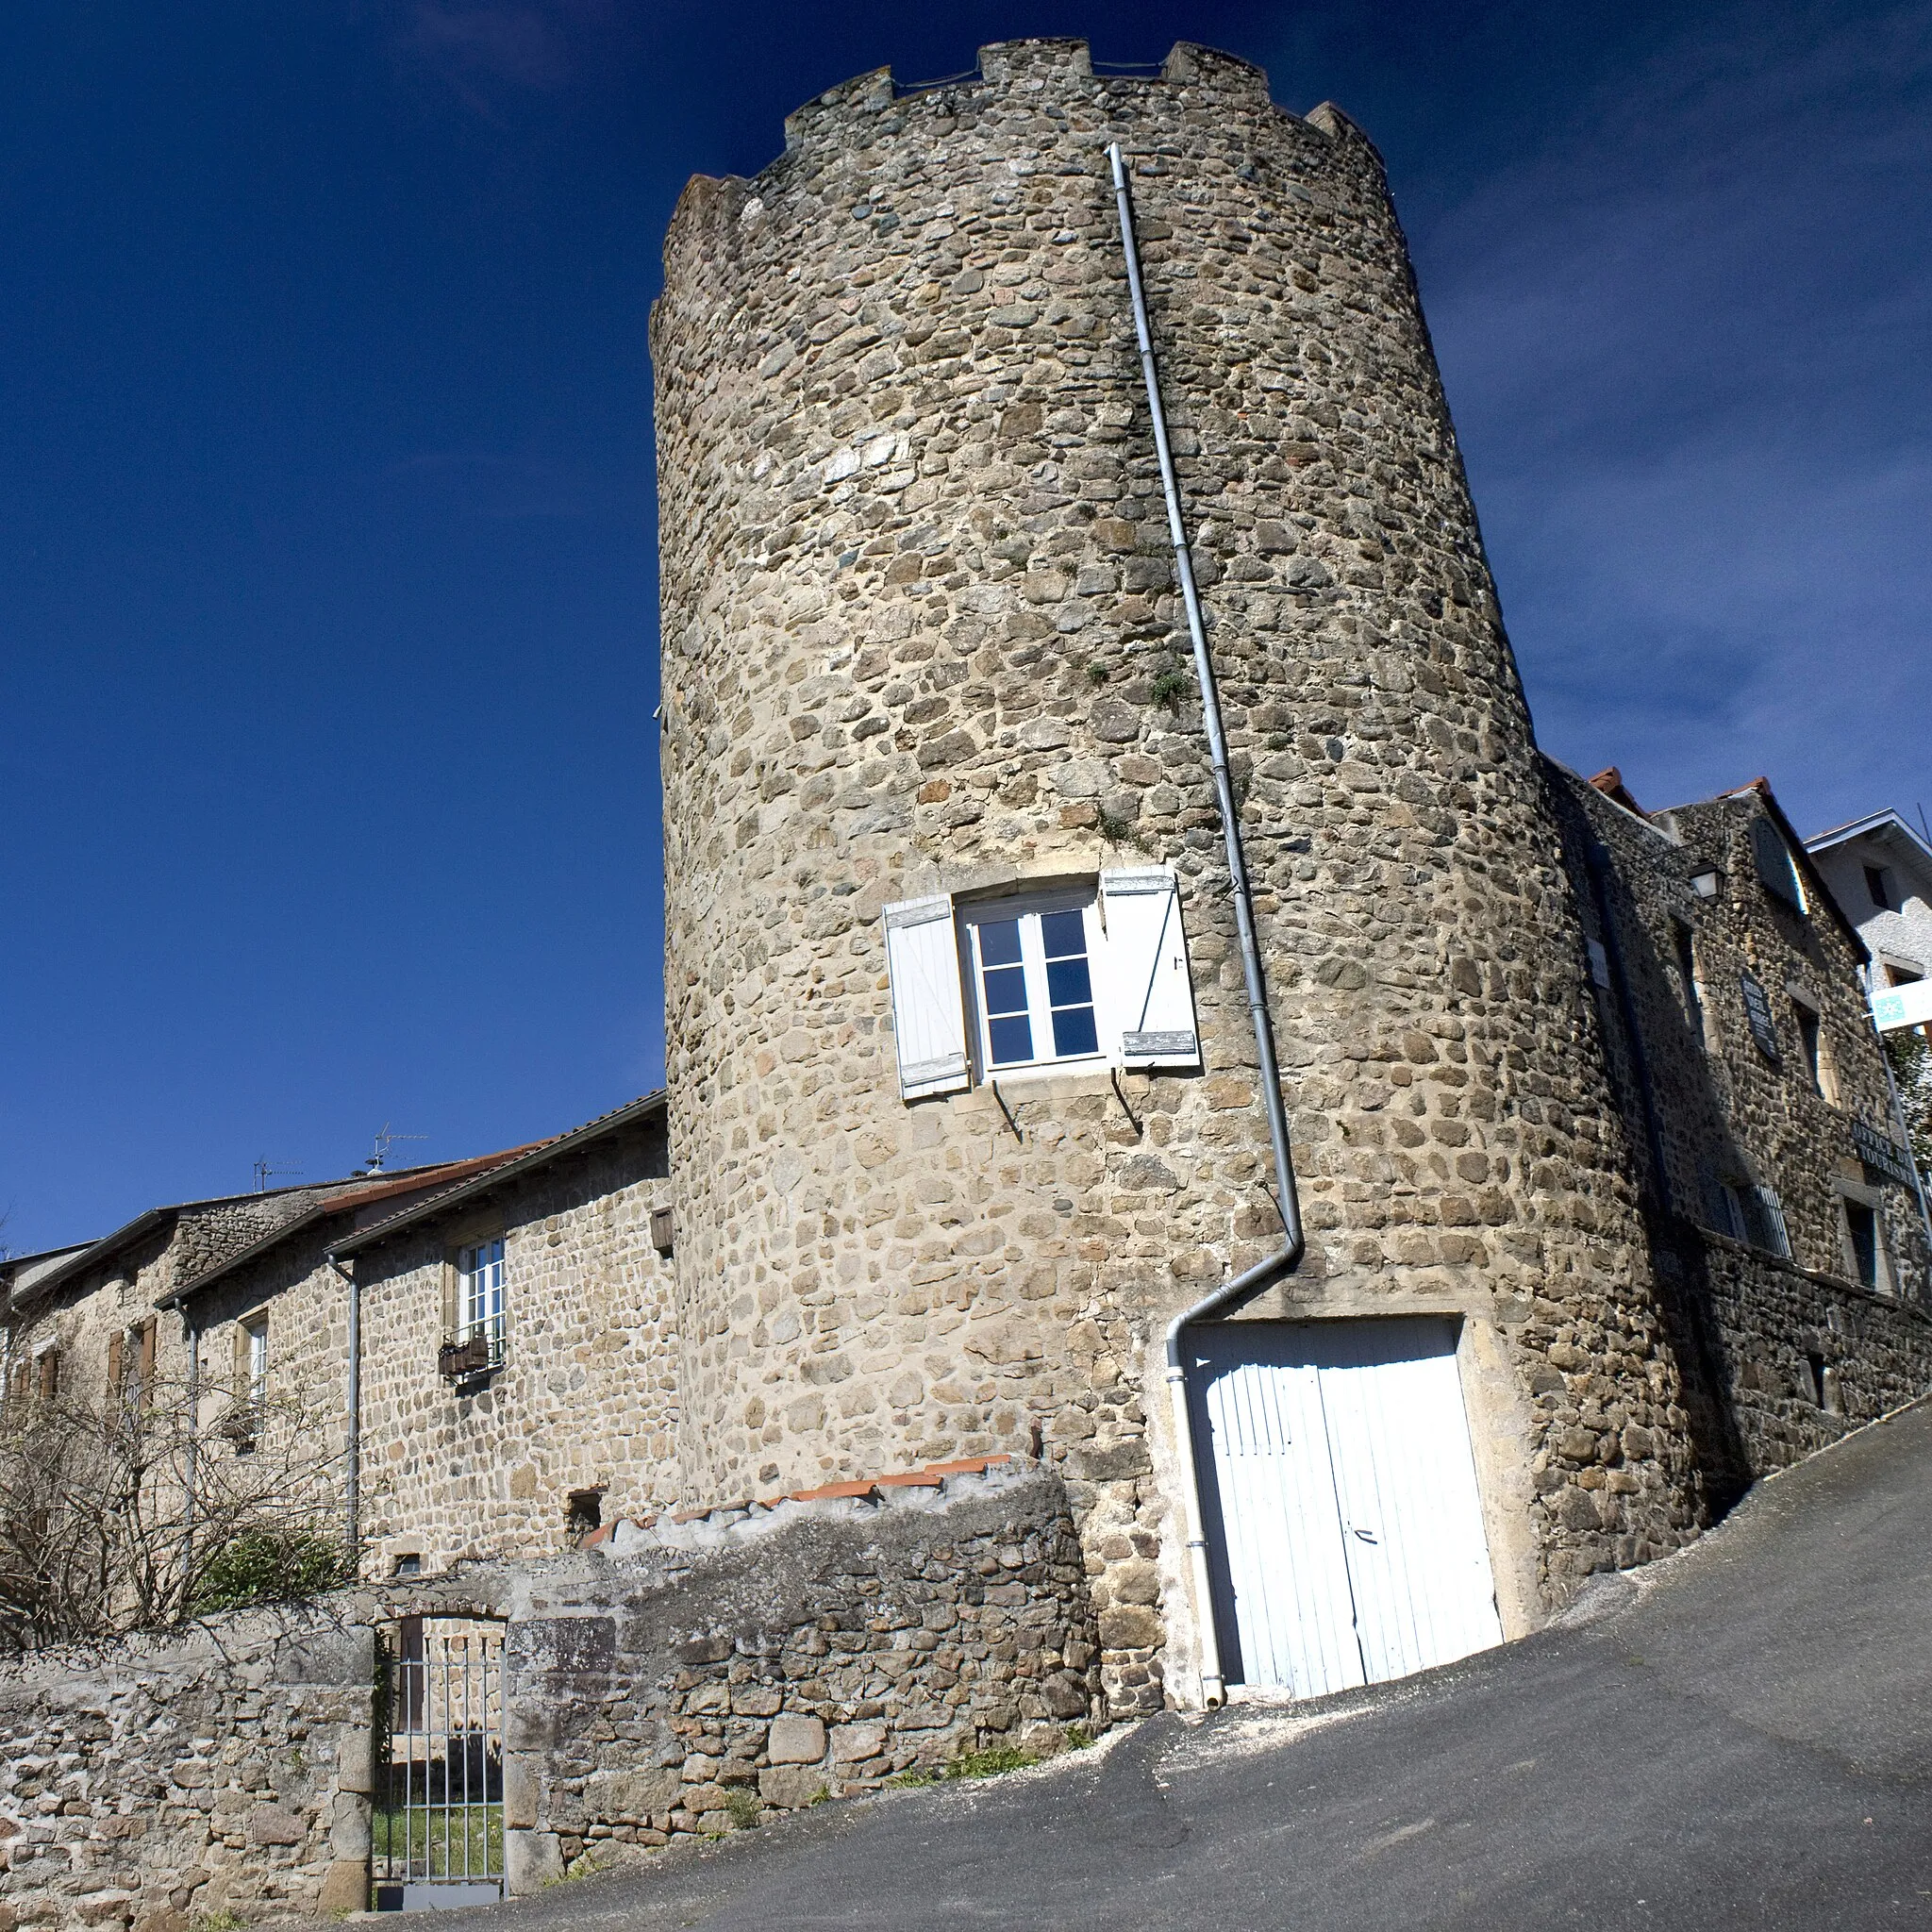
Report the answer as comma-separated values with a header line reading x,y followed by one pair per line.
x,y
275,1824
796,1740
855,1743
792,1787
531,1859
631,1794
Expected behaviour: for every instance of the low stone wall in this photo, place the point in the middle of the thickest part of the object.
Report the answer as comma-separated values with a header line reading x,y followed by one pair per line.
x,y
1778,1329
148,1783
684,1677
701,1674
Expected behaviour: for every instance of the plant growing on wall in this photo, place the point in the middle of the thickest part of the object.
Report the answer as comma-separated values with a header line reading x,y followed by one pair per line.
x,y
1911,1067
135,1507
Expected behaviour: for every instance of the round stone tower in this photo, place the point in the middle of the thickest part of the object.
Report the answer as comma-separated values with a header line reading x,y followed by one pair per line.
x,y
921,648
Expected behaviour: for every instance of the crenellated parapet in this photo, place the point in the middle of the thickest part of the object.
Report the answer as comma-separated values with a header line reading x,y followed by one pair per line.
x,y
1043,76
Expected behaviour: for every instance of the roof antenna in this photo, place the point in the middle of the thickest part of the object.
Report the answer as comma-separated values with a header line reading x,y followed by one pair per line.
x,y
384,1140
1923,826
263,1172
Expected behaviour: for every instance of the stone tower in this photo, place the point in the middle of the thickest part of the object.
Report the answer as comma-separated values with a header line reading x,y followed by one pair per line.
x,y
922,650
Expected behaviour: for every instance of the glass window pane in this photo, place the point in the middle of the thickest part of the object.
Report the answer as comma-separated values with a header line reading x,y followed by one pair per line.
x,y
1012,1041
1067,984
1005,990
1064,934
999,942
1074,1030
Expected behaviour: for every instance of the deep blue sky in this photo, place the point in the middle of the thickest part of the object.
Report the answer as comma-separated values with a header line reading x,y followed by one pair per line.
x,y
328,642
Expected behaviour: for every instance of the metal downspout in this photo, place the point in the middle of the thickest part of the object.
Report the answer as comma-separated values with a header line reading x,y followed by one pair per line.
x,y
1213,1689
352,1429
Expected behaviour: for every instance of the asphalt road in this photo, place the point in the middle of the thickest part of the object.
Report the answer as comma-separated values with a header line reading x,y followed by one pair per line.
x,y
1742,1738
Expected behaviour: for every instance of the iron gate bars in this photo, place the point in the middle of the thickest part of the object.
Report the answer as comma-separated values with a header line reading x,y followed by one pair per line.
x,y
439,1826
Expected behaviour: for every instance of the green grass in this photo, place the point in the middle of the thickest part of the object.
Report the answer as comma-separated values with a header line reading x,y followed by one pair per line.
x,y
465,1839
992,1762
995,1761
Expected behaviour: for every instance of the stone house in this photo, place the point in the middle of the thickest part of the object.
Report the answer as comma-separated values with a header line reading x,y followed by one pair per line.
x,y
492,1329
509,1373
1771,1156
80,1316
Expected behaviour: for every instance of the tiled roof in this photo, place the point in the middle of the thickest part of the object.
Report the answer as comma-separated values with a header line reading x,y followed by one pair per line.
x,y
350,1198
537,1156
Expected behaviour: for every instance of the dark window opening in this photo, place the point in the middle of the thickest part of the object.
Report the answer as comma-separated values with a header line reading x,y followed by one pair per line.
x,y
1815,1366
1878,883
411,1565
1807,1042
1687,971
1862,1225
1775,868
585,1512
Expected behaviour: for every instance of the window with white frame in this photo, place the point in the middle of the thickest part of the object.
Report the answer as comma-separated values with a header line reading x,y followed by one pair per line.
x,y
479,1296
1092,975
1031,967
243,1423
257,1363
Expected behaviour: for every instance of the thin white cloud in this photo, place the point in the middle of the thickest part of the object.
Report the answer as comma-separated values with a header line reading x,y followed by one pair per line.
x,y
1686,345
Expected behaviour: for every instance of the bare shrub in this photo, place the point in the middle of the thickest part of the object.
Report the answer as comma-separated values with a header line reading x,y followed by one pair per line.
x,y
136,1509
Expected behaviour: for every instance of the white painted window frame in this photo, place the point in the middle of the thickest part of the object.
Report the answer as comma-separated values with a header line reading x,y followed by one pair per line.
x,y
1027,909
482,1307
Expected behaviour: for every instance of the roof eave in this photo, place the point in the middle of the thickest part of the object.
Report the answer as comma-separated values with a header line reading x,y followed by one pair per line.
x,y
584,1136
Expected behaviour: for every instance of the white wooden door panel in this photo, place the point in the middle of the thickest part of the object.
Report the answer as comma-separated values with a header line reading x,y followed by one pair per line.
x,y
1349,1509
1286,1562
1411,1518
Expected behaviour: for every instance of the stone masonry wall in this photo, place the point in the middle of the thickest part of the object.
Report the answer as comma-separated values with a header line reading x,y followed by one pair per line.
x,y
678,1680
918,613
587,1397
764,1660
162,1781
1757,1333
1804,1356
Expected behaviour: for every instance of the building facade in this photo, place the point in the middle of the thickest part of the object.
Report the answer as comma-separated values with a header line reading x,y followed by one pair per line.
x,y
1878,872
1605,1203
1785,1214
940,837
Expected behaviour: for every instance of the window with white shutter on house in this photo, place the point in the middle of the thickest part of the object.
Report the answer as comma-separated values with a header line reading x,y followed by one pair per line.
x,y
928,1018
1152,996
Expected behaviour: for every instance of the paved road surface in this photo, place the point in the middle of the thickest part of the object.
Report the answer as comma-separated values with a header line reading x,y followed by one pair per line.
x,y
1742,1739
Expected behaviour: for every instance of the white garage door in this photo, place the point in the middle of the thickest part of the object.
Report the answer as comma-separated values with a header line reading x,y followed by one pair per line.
x,y
1350,1542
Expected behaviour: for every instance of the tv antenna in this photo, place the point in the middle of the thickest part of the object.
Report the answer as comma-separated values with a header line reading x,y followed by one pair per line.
x,y
385,1140
264,1172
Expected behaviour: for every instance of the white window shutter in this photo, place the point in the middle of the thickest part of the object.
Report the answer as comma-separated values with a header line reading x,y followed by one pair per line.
x,y
1147,968
928,1020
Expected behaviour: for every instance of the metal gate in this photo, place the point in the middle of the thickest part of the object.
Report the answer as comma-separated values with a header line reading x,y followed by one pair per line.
x,y
1345,1522
438,1738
